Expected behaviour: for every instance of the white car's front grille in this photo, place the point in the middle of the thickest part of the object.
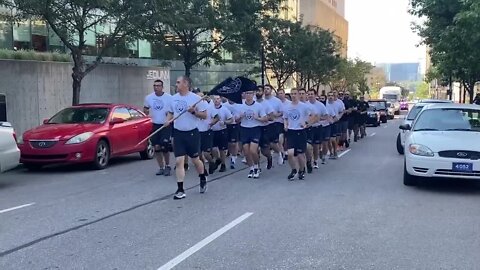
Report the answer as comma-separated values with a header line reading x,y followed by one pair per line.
x,y
420,170
452,173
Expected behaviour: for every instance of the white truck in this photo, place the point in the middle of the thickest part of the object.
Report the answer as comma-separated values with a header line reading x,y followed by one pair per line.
x,y
393,95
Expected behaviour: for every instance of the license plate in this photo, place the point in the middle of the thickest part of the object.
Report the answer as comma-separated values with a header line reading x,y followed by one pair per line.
x,y
462,167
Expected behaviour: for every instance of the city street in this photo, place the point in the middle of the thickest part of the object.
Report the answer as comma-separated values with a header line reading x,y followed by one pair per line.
x,y
352,213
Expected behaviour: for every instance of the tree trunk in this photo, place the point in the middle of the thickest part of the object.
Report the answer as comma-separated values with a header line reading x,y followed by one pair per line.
x,y
188,69
77,76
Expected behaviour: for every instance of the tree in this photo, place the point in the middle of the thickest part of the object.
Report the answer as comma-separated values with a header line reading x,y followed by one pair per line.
x,y
201,31
452,32
73,21
349,75
422,90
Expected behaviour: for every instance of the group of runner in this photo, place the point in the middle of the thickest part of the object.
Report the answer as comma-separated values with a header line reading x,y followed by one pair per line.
x,y
303,129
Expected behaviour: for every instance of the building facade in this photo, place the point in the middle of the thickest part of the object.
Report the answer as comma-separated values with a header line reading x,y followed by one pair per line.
x,y
402,72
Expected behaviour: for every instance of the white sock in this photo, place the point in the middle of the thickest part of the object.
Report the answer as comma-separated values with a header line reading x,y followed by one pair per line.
x,y
234,158
252,168
255,166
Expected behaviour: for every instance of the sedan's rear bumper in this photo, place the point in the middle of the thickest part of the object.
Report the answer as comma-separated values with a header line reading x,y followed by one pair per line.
x,y
439,167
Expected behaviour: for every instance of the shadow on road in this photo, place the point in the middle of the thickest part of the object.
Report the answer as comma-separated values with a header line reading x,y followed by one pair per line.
x,y
451,186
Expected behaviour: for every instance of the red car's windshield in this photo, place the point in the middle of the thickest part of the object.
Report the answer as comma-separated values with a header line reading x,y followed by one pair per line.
x,y
80,116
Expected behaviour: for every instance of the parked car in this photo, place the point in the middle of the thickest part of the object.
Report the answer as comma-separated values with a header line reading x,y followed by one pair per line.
x,y
443,142
373,117
87,133
380,106
411,117
9,152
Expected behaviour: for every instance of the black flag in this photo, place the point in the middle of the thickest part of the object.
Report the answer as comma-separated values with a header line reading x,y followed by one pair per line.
x,y
232,89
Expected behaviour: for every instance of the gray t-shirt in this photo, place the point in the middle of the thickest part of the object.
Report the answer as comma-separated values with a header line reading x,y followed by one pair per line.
x,y
320,111
180,104
340,106
331,109
224,114
249,112
276,104
297,115
234,109
268,110
158,106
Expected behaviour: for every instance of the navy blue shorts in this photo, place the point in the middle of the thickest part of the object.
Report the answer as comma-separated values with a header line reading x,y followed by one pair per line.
x,y
233,132
297,140
206,141
310,135
334,130
220,139
163,138
250,135
327,132
343,127
186,143
318,135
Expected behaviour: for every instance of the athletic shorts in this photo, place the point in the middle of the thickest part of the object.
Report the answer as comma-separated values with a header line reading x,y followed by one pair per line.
x,y
186,143
343,127
327,132
250,135
220,139
163,138
206,141
318,135
297,140
270,135
310,134
280,128
352,122
334,130
233,133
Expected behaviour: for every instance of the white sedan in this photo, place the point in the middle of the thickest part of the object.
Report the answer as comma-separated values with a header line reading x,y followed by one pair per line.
x,y
443,141
9,152
412,114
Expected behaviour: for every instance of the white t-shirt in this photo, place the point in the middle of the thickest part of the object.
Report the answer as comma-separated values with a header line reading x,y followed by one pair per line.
x,y
158,106
268,110
204,124
331,109
297,115
234,109
276,104
320,110
284,104
180,104
248,112
224,114
340,106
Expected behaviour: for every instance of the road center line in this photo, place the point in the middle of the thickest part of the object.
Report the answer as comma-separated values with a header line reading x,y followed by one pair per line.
x,y
373,134
189,252
15,208
344,153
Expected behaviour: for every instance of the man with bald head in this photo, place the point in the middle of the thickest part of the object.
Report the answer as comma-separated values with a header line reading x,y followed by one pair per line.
x,y
186,106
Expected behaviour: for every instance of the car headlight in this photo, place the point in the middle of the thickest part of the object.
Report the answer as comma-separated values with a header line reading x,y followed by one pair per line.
x,y
20,139
80,138
420,150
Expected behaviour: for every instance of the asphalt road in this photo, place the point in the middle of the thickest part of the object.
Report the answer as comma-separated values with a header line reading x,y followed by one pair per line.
x,y
353,213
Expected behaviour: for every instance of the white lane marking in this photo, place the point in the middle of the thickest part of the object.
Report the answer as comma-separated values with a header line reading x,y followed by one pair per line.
x,y
189,252
344,153
373,134
16,207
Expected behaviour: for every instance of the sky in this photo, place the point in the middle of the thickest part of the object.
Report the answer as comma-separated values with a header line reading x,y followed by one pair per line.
x,y
380,32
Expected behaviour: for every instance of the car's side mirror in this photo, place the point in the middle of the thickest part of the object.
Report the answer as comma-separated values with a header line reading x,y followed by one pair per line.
x,y
117,120
405,127
45,121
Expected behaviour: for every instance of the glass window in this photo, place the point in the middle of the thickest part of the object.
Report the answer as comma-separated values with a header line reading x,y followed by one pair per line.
x,y
54,42
414,112
448,120
80,115
135,114
144,49
39,36
3,108
6,41
121,113
21,35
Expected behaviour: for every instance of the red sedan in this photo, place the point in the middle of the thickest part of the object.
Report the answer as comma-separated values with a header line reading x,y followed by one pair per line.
x,y
87,133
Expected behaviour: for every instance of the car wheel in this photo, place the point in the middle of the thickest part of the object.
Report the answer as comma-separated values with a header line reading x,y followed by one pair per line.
x,y
33,167
384,120
102,155
149,152
399,145
408,179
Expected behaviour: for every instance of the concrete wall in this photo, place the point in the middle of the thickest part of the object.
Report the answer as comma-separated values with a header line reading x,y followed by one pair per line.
x,y
37,90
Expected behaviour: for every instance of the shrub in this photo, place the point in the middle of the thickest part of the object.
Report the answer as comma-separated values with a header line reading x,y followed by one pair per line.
x,y
35,56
